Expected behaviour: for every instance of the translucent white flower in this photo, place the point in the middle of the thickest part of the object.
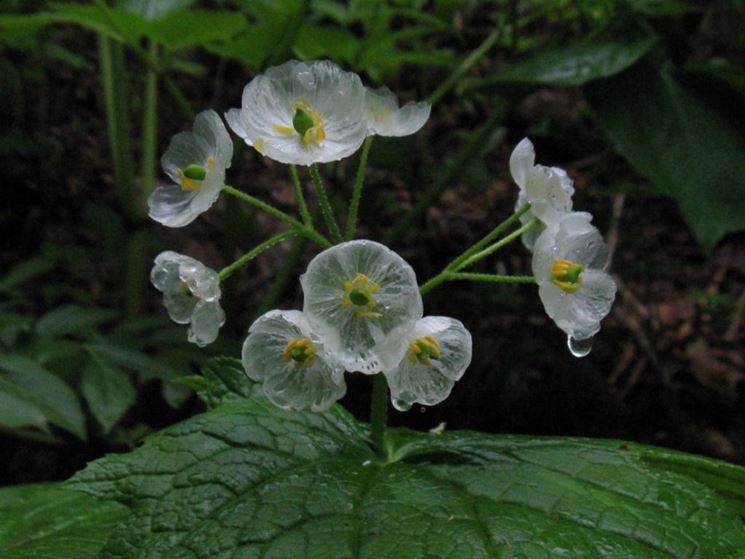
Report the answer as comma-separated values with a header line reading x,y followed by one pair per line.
x,y
439,351
196,162
364,299
568,261
548,189
284,352
302,113
191,295
385,118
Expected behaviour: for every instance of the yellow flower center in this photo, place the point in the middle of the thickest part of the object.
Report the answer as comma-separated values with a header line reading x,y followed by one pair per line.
x,y
567,275
191,176
359,292
306,122
301,351
424,349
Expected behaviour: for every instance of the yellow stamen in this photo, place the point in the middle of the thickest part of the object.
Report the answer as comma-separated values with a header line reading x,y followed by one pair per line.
x,y
567,275
424,349
359,292
314,133
284,130
301,351
259,145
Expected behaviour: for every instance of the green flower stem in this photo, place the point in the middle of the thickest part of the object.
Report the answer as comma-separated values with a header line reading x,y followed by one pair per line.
x,y
115,100
325,205
464,66
457,263
494,278
254,252
455,276
454,170
379,411
302,206
146,59
150,125
354,205
301,229
499,244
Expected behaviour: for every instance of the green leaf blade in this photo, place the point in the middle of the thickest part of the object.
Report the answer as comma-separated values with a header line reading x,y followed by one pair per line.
x,y
249,480
48,522
685,145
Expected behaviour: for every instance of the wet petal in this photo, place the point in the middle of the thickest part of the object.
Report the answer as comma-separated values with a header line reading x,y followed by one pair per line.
x,y
414,381
287,384
522,161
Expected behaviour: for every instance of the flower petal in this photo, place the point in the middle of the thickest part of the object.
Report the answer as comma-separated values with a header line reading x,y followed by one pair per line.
x,y
206,321
364,339
289,386
266,115
385,118
522,161
579,314
429,384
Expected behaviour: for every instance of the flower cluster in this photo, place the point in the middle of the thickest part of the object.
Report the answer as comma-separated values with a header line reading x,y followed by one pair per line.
x,y
362,312
568,252
298,112
314,112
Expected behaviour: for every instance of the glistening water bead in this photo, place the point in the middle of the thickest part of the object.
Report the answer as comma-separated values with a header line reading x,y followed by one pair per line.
x,y
579,348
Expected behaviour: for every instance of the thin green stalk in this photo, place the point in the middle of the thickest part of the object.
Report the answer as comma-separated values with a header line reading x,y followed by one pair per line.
x,y
464,67
151,63
494,278
499,244
116,122
456,264
301,229
227,271
325,205
302,206
454,276
379,411
359,181
475,143
150,125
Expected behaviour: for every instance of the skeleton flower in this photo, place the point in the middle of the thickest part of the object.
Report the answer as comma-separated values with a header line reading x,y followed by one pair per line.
x,y
196,162
302,113
568,261
364,299
548,189
284,353
439,351
385,118
191,295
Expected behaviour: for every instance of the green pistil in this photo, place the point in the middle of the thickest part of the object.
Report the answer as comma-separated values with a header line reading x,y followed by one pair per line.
x,y
195,172
358,298
302,122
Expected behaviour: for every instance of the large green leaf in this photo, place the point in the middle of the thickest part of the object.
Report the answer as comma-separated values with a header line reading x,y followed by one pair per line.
x,y
46,391
574,64
247,480
49,522
107,389
72,319
18,409
154,9
688,143
196,27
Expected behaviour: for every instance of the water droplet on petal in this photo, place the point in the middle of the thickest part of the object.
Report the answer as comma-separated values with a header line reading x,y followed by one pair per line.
x,y
579,348
401,405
